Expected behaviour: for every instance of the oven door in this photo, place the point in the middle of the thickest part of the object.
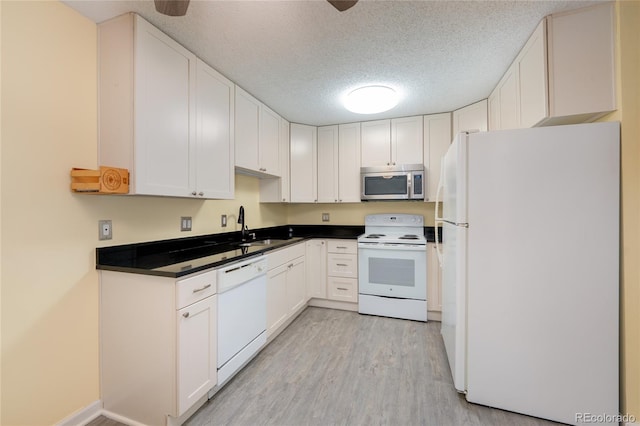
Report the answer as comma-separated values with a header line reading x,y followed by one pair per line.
x,y
397,271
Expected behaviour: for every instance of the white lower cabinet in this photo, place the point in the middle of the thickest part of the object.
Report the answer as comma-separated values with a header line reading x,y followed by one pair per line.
x,y
434,284
342,270
196,351
158,345
316,268
286,286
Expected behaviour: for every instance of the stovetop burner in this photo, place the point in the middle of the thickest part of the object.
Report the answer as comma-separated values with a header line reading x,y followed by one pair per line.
x,y
375,235
408,237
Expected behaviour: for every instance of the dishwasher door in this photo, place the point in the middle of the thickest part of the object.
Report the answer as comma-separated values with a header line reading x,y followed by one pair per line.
x,y
242,318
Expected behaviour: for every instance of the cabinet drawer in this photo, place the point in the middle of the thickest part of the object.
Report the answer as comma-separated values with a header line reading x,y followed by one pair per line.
x,y
278,257
344,289
342,265
195,288
342,246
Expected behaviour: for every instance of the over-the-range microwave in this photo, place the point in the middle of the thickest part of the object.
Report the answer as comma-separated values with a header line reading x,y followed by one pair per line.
x,y
401,182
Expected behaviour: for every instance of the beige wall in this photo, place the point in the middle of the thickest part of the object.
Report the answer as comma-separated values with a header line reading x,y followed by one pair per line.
x,y
353,214
49,304
629,39
48,283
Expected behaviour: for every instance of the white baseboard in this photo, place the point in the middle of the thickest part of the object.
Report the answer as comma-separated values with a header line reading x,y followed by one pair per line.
x,y
121,419
83,416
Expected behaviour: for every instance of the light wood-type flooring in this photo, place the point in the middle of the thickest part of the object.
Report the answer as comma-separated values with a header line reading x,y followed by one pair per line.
x,y
333,367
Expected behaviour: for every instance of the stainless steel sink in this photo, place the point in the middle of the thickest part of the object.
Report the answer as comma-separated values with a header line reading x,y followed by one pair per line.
x,y
266,242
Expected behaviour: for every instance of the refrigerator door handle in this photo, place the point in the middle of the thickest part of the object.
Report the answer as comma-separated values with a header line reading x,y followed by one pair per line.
x,y
438,220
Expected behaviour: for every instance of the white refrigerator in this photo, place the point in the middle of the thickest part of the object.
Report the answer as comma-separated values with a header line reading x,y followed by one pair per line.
x,y
530,269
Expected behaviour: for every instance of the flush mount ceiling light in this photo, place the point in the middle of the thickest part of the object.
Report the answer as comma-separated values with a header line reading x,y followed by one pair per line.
x,y
371,99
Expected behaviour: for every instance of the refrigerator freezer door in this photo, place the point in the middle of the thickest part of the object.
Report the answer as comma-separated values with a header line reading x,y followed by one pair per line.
x,y
454,169
454,301
543,285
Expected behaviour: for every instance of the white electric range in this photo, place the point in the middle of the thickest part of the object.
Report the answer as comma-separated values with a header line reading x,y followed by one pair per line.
x,y
392,267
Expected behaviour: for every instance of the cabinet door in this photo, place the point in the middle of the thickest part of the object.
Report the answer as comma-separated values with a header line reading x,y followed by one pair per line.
x,y
532,68
164,113
214,153
328,164
349,163
406,140
437,138
303,164
434,280
269,142
277,308
247,117
376,143
471,117
509,100
494,110
296,285
582,61
277,190
197,346
316,268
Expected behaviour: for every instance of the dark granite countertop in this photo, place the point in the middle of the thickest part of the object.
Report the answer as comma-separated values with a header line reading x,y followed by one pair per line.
x,y
182,256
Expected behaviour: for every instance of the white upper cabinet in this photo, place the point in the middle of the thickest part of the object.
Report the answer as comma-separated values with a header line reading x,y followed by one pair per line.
x,y
214,153
328,164
406,140
156,137
349,163
376,143
581,64
437,138
470,118
247,119
303,158
269,141
257,131
391,142
277,190
339,164
565,73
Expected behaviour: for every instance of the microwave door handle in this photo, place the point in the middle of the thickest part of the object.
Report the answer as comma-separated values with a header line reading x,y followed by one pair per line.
x,y
409,186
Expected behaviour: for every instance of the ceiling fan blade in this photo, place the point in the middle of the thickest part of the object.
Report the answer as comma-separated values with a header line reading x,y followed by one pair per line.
x,y
172,7
342,5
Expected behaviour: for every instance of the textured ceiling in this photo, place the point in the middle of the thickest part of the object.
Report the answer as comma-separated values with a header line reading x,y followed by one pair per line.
x,y
300,57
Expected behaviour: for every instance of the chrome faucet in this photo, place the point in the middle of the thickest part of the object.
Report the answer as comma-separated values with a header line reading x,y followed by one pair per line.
x,y
243,227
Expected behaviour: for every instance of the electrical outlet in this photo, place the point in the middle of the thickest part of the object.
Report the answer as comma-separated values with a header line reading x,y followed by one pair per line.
x,y
325,217
223,220
105,230
185,223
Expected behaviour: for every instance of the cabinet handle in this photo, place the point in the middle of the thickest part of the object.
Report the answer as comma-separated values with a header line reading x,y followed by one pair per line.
x,y
341,264
193,193
186,315
340,247
290,266
284,199
203,288
201,193
342,288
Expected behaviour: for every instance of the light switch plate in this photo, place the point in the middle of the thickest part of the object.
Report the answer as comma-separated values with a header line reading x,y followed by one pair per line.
x,y
223,220
325,217
185,223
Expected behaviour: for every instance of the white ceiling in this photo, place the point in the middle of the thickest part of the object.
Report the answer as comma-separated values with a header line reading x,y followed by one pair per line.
x,y
300,57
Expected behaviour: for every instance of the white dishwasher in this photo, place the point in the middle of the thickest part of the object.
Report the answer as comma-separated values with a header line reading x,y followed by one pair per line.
x,y
242,314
